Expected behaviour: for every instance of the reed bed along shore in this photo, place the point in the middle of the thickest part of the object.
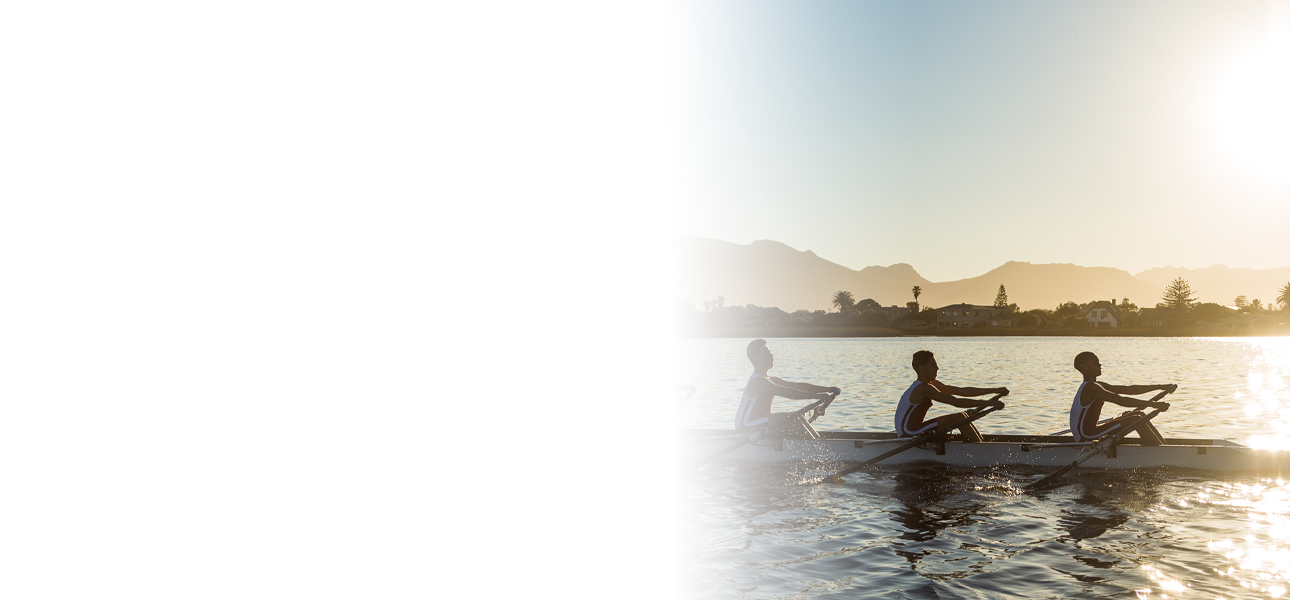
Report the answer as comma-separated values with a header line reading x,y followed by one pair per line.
x,y
143,333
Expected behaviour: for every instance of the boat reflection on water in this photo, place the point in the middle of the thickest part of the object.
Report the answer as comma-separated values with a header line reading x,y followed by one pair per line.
x,y
923,492
1106,500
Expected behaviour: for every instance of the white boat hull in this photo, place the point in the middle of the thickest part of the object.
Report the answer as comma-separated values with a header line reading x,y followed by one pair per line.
x,y
1038,451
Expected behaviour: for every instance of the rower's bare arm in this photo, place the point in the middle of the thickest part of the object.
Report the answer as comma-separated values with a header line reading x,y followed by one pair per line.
x,y
768,386
950,399
1104,393
972,391
805,387
1134,390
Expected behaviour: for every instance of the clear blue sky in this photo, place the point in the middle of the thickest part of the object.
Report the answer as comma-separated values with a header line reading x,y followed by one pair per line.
x,y
951,136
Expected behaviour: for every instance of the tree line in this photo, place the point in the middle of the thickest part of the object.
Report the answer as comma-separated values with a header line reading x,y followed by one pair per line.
x,y
448,311
1178,296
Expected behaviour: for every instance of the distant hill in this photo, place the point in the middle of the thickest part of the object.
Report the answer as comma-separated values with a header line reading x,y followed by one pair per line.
x,y
622,260
1221,284
1046,286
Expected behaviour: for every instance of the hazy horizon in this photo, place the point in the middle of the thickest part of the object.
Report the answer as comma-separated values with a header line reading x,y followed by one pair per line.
x,y
959,137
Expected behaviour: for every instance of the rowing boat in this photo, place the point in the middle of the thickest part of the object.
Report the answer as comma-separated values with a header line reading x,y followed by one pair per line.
x,y
996,450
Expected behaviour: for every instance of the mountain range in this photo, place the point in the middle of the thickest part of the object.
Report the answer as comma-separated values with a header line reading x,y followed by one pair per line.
x,y
622,260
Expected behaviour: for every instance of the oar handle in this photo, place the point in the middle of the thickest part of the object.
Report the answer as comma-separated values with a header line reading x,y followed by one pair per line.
x,y
819,412
1162,394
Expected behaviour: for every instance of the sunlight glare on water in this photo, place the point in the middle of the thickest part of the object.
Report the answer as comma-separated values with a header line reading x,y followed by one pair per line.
x,y
1260,559
1266,395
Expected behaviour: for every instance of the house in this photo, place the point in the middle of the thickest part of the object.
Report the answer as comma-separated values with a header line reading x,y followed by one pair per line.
x,y
915,321
742,320
1245,323
836,319
966,315
1162,317
1004,320
894,312
1103,314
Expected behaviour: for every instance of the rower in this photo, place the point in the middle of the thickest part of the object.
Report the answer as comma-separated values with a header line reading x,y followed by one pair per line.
x,y
1092,394
915,402
608,400
506,417
754,408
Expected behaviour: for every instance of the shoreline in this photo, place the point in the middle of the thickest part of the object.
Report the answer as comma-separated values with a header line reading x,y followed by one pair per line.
x,y
158,333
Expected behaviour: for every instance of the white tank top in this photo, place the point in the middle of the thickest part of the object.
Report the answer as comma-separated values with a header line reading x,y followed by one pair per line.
x,y
596,404
904,408
1078,412
746,405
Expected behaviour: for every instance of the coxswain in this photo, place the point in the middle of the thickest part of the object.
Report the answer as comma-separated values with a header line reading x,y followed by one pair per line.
x,y
1092,394
506,418
756,407
606,404
911,412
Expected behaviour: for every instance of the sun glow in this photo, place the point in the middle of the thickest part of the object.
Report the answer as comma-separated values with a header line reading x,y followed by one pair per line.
x,y
1249,114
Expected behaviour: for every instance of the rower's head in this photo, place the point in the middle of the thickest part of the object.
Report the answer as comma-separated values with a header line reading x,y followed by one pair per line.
x,y
1088,364
925,365
619,364
498,395
760,355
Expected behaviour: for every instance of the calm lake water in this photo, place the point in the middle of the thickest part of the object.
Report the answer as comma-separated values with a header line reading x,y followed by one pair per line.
x,y
118,505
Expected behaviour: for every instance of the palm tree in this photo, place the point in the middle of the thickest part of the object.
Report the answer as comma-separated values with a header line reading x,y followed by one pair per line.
x,y
918,291
844,301
1284,298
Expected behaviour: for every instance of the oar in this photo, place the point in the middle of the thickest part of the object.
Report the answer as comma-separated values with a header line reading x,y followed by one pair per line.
x,y
1101,445
588,432
797,414
921,438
